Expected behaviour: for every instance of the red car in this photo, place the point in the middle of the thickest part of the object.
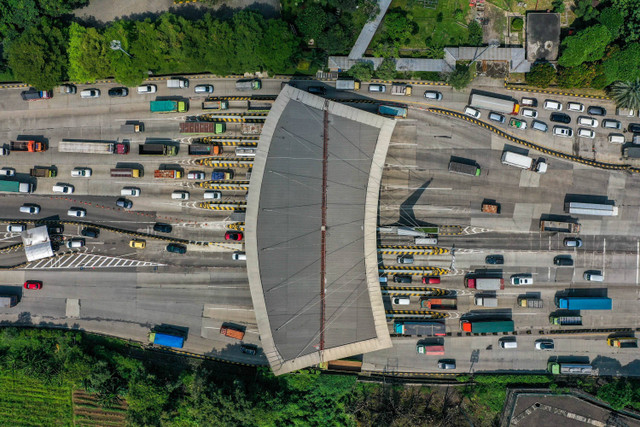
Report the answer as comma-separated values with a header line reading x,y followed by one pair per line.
x,y
428,280
233,235
33,284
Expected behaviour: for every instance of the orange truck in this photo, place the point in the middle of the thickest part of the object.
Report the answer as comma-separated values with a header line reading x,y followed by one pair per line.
x,y
232,332
439,303
167,173
30,146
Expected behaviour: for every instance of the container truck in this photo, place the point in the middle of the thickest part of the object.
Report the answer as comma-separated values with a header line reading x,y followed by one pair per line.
x,y
168,106
215,105
157,150
507,106
126,173
464,168
599,209
400,89
42,172
92,147
484,283
203,127
204,149
631,152
7,301
524,162
347,84
559,226
232,332
251,128
251,84
439,303
425,328
583,303
15,187
30,146
430,350
167,173
623,342
392,111
530,302
569,368
167,340
565,320
486,326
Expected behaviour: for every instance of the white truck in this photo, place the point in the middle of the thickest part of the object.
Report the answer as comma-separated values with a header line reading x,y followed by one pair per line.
x,y
347,84
177,83
524,162
400,89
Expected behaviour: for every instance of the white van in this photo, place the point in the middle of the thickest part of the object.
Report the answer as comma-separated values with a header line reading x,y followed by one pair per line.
x,y
508,344
63,188
245,152
239,256
401,300
130,191
616,138
177,83
182,195
593,276
552,105
425,241
215,195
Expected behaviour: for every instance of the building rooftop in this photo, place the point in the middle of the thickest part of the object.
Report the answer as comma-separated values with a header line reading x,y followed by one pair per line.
x,y
316,302
543,36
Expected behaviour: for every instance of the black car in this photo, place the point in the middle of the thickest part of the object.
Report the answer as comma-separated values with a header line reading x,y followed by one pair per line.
x,y
124,203
162,228
563,260
494,259
176,249
560,118
118,91
317,90
90,232
402,279
596,111
249,349
55,229
634,127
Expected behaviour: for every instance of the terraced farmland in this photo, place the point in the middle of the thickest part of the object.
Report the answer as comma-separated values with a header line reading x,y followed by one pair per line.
x,y
88,413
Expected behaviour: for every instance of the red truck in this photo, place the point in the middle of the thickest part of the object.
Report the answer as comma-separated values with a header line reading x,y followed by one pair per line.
x,y
203,127
439,303
30,146
232,332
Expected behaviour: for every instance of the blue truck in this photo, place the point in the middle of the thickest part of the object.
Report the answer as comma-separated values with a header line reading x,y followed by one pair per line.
x,y
392,111
583,303
167,340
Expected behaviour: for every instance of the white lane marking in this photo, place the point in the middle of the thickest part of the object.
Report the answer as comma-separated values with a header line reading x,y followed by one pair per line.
x,y
637,260
604,254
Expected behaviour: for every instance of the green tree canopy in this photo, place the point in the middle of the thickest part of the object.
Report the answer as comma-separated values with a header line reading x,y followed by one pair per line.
x,y
626,94
579,76
38,56
87,52
586,45
397,27
362,71
623,65
311,21
475,34
387,69
630,11
584,10
460,78
541,75
613,20
278,47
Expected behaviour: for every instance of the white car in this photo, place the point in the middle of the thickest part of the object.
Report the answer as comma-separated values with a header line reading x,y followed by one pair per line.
x,y
81,172
586,133
75,243
182,195
130,191
472,112
528,112
196,175
215,195
562,131
30,209
147,89
587,121
575,106
521,279
90,93
63,188
16,228
7,172
552,105
77,212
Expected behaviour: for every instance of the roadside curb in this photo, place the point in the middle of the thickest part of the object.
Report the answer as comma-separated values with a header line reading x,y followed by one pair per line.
x,y
551,92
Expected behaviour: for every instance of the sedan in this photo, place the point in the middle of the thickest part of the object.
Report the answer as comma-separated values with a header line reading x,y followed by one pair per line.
x,y
575,106
233,235
176,249
433,95
317,90
162,228
33,284
560,118
496,117
249,349
147,89
588,121
124,203
544,345
494,259
77,212
402,279
611,124
528,112
203,89
196,175
472,112
634,127
596,111
562,131
447,364
63,188
521,279
90,93
118,92
572,242
586,133
428,280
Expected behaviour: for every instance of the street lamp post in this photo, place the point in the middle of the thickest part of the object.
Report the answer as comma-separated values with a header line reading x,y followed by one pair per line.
x,y
117,45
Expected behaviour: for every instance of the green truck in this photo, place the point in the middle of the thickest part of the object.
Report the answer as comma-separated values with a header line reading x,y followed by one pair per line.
x,y
15,187
168,106
487,326
557,368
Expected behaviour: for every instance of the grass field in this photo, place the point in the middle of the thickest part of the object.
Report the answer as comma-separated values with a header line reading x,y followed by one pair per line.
x,y
26,402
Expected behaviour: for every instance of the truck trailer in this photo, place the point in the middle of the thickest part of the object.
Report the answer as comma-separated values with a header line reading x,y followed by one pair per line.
x,y
439,303
464,168
42,172
125,173
569,368
251,128
484,283
30,146
204,149
559,226
631,152
565,320
167,340
623,342
530,302
168,106
157,150
486,326
492,103
167,173
215,105
583,303
524,162
15,187
599,209
392,111
203,127
424,328
92,147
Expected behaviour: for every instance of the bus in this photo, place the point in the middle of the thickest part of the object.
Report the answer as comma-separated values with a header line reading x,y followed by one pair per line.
x,y
508,106
590,209
569,368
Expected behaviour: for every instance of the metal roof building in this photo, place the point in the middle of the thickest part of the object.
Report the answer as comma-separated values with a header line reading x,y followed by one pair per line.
x,y
311,231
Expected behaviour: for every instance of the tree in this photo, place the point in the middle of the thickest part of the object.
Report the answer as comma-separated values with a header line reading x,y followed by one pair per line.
x,y
387,69
541,75
278,46
630,11
586,45
626,94
362,71
583,9
475,34
87,51
558,6
613,20
311,21
397,27
335,41
38,56
623,65
460,78
517,24
580,76
247,29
